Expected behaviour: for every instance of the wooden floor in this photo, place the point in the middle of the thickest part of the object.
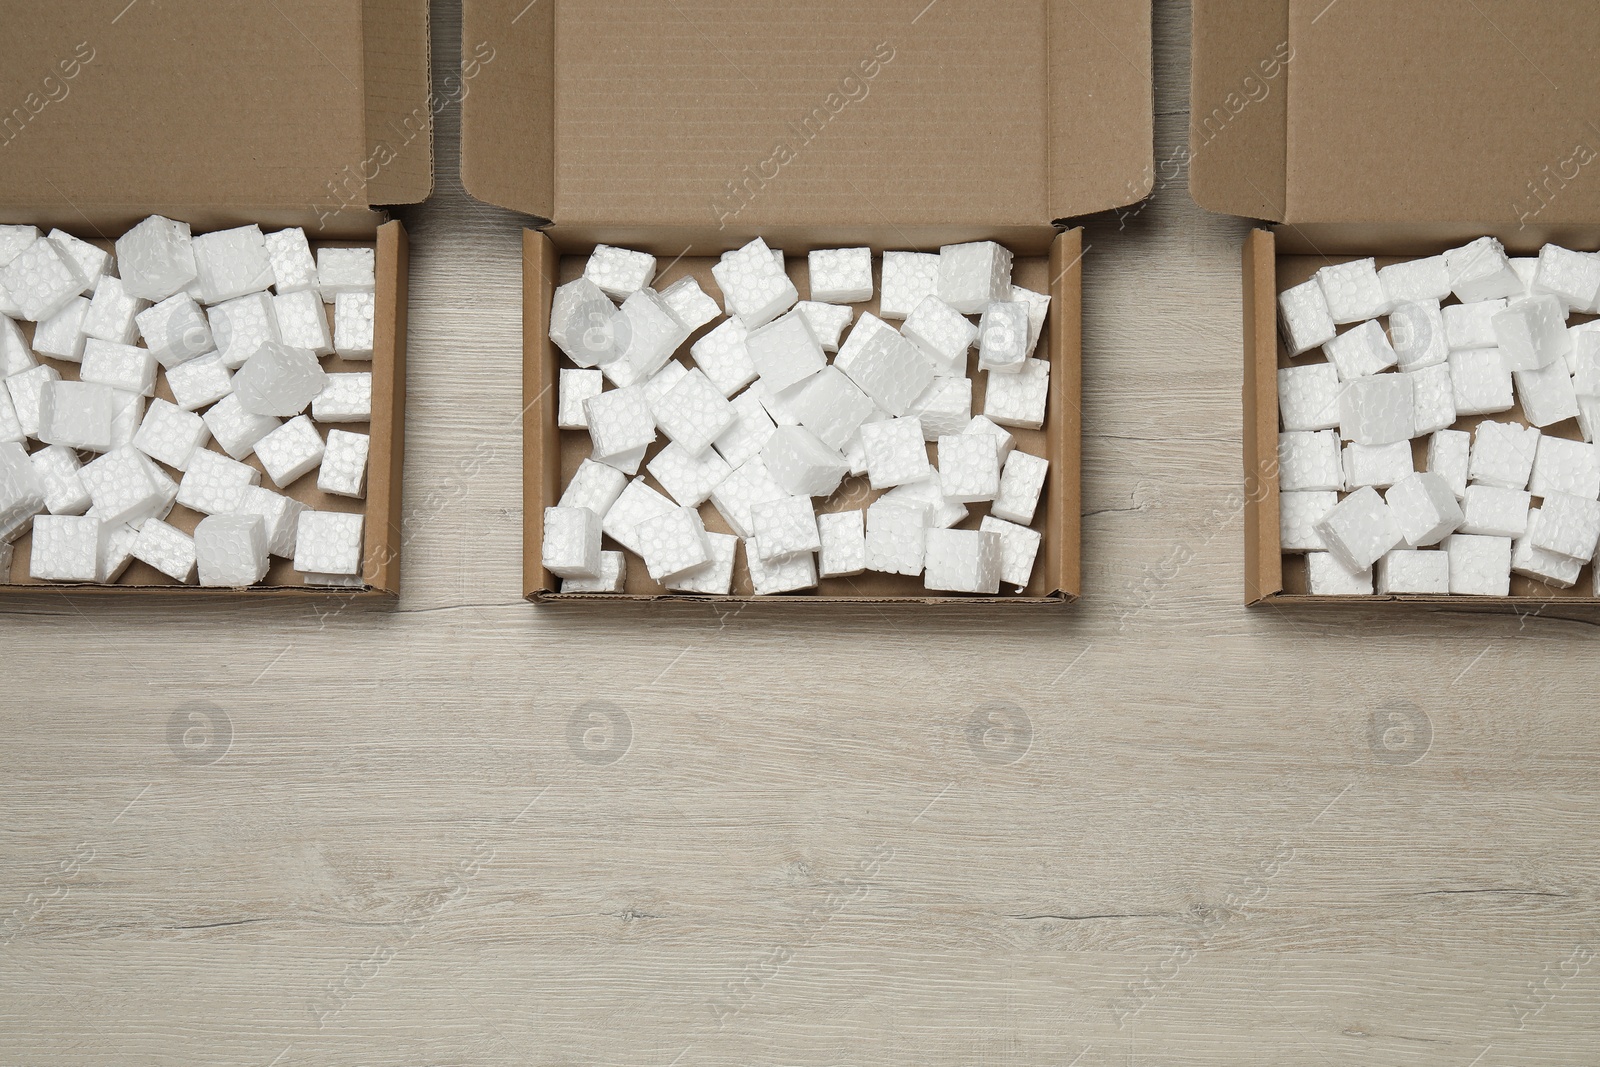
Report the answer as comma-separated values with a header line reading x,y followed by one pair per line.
x,y
1154,828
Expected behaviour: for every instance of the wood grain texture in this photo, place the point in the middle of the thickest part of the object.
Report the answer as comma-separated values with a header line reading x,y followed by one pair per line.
x,y
1154,828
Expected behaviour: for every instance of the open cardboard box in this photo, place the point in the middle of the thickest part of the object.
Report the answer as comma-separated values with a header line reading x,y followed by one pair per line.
x,y
298,113
688,129
1394,129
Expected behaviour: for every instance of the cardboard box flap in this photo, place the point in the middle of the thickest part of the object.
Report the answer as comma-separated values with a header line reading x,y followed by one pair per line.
x,y
1395,110
762,115
215,113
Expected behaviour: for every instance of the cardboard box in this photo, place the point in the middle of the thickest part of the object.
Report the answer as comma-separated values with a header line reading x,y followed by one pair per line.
x,y
687,130
1460,136
295,114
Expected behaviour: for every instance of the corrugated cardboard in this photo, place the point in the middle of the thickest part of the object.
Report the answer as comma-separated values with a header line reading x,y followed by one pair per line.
x,y
1395,130
687,129
286,114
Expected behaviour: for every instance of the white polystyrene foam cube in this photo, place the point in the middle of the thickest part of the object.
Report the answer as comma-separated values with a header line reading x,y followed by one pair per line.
x,y
969,467
574,387
1376,465
927,494
1527,269
896,537
239,327
42,279
636,503
170,435
1503,454
619,272
1568,525
1572,277
673,542
784,527
1589,417
748,434
60,336
127,412
1481,271
112,311
785,352
1003,337
156,258
620,421
348,398
653,334
1493,511
855,453
1425,507
1411,571
1480,384
235,429
213,483
843,535
754,287
1416,279
1298,515
10,424
595,486
724,357
1417,334
231,263
116,551
280,515
1327,576
688,479
1584,361
291,451
908,279
345,270
175,330
1532,333
125,367
293,266
1309,460
1546,395
750,484
1019,547
713,577
841,275
887,367
343,469
974,275
1361,351
303,322
1304,320
963,561
124,488
14,238
571,545
804,466
1433,405
167,549
1021,481
1359,529
1019,399
945,407
200,382
59,472
1353,291
613,575
586,325
1561,465
15,354
690,303
662,381
93,263
1471,325
354,317
1552,568
1038,308
1479,566
827,321
22,493
787,575
832,407
693,413
279,380
942,333
26,389
66,548
231,550
76,414
1376,410
328,542
895,451
1308,397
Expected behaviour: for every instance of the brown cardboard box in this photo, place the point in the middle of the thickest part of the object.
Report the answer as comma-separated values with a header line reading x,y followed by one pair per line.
x,y
689,129
1394,129
294,114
